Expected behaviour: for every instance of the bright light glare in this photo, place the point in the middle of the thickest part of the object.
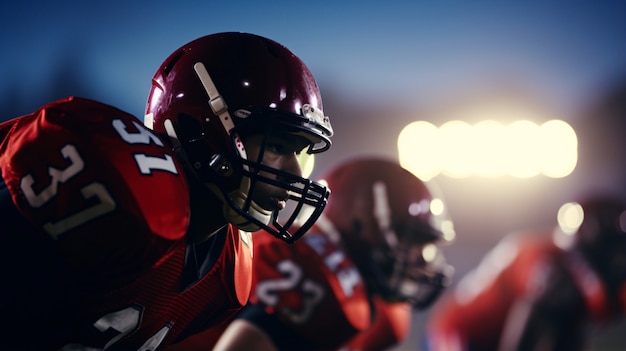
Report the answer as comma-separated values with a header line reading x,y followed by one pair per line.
x,y
429,252
457,149
562,156
488,137
447,228
436,206
307,163
455,154
416,143
570,217
523,150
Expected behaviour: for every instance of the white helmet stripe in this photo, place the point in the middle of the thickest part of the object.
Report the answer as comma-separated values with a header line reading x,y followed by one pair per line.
x,y
217,103
382,212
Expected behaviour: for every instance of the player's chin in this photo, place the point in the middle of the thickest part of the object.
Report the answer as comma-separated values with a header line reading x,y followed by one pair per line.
x,y
272,200
274,203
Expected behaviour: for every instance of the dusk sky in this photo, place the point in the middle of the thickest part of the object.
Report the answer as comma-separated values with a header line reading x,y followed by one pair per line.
x,y
393,51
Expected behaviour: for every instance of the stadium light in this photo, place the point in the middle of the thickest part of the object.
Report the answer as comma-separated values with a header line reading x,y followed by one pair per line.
x,y
521,149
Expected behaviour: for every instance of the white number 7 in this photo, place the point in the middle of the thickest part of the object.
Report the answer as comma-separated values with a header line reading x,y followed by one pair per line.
x,y
57,175
104,205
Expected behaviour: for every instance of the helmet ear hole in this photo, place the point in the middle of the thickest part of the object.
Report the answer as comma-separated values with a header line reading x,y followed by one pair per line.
x,y
190,127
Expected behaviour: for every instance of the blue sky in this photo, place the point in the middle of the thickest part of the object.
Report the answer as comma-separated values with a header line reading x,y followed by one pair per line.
x,y
385,51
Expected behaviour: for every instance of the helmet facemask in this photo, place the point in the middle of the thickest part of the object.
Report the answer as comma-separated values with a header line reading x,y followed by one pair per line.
x,y
235,179
305,199
413,272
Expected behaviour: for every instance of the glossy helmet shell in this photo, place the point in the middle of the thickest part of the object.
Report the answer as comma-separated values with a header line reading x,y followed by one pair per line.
x,y
383,216
601,238
212,89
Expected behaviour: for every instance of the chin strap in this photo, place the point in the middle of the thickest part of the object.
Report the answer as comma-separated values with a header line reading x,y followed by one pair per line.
x,y
237,199
255,211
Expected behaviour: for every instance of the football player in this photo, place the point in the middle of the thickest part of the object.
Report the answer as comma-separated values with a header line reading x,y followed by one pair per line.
x,y
124,236
353,279
540,290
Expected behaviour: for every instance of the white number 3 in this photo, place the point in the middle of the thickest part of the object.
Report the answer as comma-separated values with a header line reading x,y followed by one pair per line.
x,y
96,190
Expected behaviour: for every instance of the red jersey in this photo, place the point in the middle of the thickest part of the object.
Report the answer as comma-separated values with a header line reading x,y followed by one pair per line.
x,y
105,201
474,315
390,327
315,292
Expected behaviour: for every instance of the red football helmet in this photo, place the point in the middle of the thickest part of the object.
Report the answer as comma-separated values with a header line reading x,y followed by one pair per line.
x,y
213,90
390,225
600,238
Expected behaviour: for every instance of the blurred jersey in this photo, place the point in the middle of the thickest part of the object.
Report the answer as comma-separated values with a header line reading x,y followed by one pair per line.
x,y
521,267
310,296
95,209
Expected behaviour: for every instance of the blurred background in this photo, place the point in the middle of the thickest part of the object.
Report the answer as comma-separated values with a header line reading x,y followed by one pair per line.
x,y
380,67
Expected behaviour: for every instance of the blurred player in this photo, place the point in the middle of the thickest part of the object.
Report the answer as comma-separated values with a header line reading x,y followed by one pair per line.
x,y
540,290
121,236
355,276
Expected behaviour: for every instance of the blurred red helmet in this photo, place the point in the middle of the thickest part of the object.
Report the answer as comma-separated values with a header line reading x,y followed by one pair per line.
x,y
389,224
602,237
213,90
595,227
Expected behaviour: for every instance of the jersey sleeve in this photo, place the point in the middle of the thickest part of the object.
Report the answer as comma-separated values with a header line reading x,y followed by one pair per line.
x,y
307,284
97,182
